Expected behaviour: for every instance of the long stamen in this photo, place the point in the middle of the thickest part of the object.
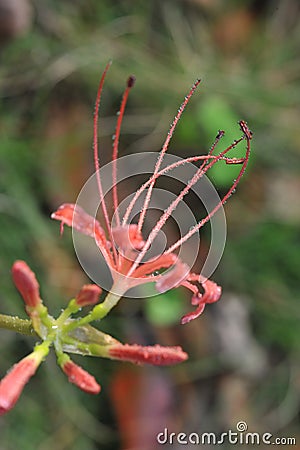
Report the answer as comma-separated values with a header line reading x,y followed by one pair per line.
x,y
248,136
190,159
130,84
96,158
157,175
163,151
200,172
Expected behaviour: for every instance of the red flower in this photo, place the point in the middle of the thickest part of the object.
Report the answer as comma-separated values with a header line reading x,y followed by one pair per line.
x,y
11,386
123,245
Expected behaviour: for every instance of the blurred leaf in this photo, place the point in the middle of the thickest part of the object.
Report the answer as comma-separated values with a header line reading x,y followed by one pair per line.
x,y
165,309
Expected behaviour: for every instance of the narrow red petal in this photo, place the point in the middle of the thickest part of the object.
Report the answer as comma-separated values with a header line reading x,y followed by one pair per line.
x,y
156,355
74,216
26,283
194,314
81,378
212,292
128,237
13,383
173,278
162,262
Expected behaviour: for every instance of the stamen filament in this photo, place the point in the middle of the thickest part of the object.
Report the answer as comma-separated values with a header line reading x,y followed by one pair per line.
x,y
200,172
248,136
130,84
176,164
96,158
163,151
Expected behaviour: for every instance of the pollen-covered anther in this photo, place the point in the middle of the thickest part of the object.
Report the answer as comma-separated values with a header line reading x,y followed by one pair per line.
x,y
212,293
244,127
131,81
155,355
26,283
235,160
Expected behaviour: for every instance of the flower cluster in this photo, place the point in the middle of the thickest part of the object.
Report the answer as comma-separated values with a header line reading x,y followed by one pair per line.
x,y
70,336
124,248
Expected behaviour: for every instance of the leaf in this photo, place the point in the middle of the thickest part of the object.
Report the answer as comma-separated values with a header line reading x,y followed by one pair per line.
x,y
165,309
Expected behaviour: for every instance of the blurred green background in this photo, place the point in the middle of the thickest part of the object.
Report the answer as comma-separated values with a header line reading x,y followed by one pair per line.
x,y
244,351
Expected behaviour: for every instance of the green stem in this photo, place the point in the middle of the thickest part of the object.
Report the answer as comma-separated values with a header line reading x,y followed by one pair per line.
x,y
97,313
14,323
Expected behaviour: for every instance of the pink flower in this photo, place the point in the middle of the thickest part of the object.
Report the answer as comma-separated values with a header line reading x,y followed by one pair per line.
x,y
80,377
26,283
11,386
123,245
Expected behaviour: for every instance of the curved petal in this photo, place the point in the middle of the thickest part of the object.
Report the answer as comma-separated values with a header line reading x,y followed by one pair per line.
x,y
173,278
74,216
194,314
162,262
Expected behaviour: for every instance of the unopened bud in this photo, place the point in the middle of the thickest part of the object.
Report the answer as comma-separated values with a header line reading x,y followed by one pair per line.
x,y
80,377
88,295
26,283
13,383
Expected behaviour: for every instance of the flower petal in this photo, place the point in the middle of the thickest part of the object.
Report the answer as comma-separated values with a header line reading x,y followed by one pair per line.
x,y
161,262
194,314
173,278
212,292
74,216
128,237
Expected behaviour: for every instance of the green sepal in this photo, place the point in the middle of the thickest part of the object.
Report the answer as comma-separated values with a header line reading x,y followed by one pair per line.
x,y
87,340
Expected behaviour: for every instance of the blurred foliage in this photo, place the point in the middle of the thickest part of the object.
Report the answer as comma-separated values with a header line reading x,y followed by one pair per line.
x,y
247,54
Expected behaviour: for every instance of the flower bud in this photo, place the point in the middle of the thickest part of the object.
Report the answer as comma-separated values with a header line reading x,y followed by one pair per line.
x,y
156,355
26,283
88,295
80,377
13,383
